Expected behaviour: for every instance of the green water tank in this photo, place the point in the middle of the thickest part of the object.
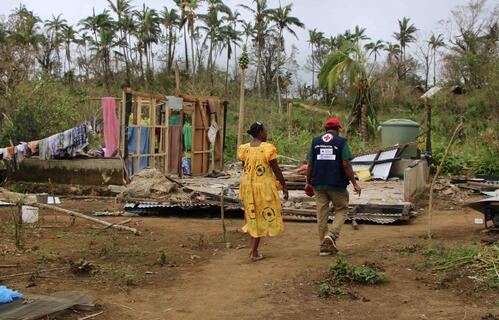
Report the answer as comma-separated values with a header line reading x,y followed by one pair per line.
x,y
400,131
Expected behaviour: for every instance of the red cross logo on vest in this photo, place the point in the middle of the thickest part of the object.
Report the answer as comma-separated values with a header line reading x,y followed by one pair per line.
x,y
327,137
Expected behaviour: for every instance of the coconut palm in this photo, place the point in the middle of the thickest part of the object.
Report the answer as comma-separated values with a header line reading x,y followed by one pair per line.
x,y
122,9
68,36
359,34
148,34
374,48
347,65
284,22
171,21
435,42
230,38
232,19
393,51
314,38
405,36
189,8
261,16
54,28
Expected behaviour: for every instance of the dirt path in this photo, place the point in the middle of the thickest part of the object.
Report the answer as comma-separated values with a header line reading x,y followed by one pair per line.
x,y
282,286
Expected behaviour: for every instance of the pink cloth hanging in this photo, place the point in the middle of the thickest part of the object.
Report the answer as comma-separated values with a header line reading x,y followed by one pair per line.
x,y
111,126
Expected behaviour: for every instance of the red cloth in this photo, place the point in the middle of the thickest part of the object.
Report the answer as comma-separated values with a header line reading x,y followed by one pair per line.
x,y
309,190
111,126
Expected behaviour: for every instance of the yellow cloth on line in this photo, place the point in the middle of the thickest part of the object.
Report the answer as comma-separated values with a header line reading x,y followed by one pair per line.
x,y
259,191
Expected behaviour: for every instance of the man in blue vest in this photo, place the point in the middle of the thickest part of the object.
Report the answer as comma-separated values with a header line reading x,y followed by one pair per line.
x,y
328,175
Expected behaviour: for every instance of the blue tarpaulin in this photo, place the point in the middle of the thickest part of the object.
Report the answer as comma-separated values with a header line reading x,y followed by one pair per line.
x,y
133,136
7,295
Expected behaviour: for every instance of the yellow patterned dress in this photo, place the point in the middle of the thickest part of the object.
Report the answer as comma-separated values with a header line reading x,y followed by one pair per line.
x,y
259,191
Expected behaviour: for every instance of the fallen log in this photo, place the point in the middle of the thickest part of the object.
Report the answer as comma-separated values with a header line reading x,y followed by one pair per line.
x,y
83,216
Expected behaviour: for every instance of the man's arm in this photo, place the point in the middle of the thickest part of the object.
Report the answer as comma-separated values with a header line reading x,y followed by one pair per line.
x,y
347,166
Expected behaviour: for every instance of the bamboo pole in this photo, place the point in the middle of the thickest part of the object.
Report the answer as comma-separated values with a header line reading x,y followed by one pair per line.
x,y
437,173
83,216
241,111
222,215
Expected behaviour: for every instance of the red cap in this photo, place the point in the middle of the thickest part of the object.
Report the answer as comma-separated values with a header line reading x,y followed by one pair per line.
x,y
332,122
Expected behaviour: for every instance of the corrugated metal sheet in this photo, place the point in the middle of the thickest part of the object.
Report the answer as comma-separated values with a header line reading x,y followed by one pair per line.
x,y
367,157
382,170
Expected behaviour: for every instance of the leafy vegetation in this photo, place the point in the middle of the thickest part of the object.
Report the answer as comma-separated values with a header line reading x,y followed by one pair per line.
x,y
342,273
50,68
478,263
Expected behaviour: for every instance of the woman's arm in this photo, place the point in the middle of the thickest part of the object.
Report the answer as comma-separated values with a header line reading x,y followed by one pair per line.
x,y
280,177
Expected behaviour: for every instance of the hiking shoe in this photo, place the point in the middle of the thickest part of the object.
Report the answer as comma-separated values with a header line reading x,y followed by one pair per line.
x,y
328,246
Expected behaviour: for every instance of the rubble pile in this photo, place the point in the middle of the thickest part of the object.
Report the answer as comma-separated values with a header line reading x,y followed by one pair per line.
x,y
152,184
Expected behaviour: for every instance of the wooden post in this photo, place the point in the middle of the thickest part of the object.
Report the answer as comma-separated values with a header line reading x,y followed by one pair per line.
x,y
177,80
241,110
167,139
138,119
222,215
18,220
152,133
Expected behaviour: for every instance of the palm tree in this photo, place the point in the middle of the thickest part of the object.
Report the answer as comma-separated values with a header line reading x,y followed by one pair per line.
x,y
393,51
261,17
55,27
233,19
189,7
359,34
348,65
68,36
171,21
315,38
404,37
183,25
148,33
435,43
122,9
284,22
230,37
103,28
375,48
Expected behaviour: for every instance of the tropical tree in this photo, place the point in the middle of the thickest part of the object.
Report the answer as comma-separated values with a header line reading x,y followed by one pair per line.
x,y
122,9
374,48
284,22
171,21
359,34
435,42
232,19
393,51
315,39
54,28
347,65
68,36
230,38
148,33
405,36
189,8
261,16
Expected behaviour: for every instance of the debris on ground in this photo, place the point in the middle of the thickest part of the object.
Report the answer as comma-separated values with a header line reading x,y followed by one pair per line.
x,y
81,266
152,184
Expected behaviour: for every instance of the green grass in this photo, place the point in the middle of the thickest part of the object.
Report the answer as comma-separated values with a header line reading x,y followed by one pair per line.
x,y
342,273
479,263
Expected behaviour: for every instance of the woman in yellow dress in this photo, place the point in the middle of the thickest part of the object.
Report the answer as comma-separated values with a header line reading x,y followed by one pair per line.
x,y
258,189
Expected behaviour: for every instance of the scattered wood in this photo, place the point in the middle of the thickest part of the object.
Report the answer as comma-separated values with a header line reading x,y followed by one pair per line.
x,y
8,265
91,316
117,224
83,216
10,276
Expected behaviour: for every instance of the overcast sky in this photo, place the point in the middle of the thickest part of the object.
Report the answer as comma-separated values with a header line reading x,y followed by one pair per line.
x,y
329,16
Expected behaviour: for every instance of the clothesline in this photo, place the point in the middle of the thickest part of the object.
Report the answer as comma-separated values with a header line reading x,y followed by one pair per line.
x,y
65,144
